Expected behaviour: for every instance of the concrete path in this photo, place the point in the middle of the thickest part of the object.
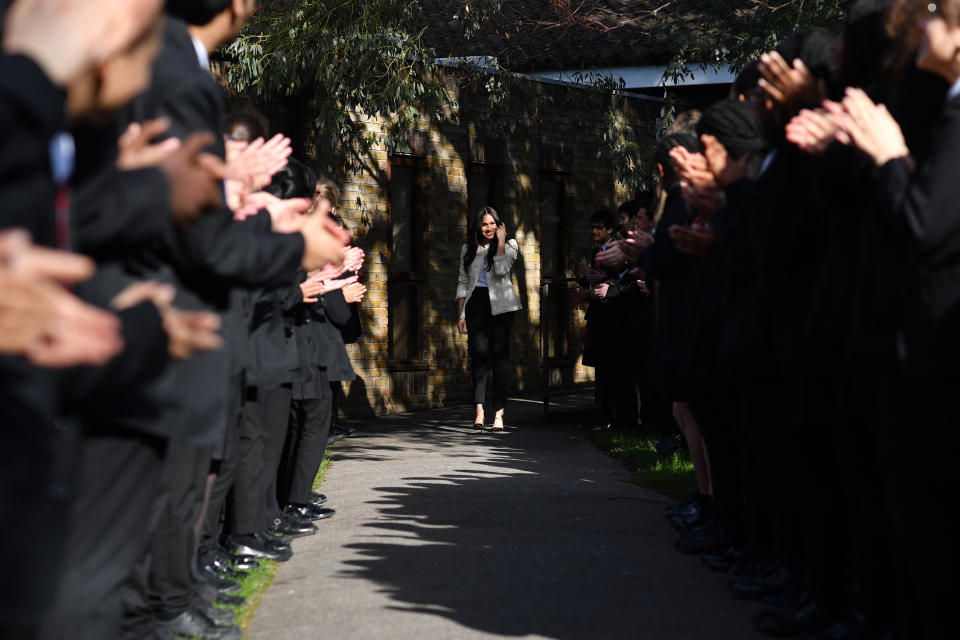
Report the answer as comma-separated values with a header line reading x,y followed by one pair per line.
x,y
441,532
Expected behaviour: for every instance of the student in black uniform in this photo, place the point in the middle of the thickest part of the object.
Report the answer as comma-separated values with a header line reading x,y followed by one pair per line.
x,y
205,261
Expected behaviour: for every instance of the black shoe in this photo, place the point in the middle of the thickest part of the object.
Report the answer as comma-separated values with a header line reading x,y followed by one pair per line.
x,y
277,535
293,527
227,558
221,584
216,615
808,619
318,499
308,511
259,546
224,570
723,561
754,569
711,539
855,626
231,601
341,429
758,588
193,624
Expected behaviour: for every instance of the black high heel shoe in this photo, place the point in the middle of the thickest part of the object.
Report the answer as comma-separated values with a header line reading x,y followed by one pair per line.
x,y
478,426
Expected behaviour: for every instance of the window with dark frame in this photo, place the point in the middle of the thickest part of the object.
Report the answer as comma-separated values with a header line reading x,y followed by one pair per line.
x,y
483,188
553,243
405,278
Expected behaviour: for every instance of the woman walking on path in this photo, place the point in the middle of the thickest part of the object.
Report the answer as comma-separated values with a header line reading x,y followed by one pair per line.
x,y
486,301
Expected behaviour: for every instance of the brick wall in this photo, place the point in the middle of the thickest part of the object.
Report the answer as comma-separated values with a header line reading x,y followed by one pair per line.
x,y
560,141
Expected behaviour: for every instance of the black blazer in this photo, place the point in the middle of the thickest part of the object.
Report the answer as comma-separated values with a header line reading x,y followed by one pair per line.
x,y
929,201
204,261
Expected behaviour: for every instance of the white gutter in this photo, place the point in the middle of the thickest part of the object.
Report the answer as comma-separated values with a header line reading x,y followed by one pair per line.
x,y
644,77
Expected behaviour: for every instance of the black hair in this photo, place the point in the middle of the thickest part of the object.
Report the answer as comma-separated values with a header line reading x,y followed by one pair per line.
x,y
255,123
296,180
197,12
867,46
604,217
748,79
736,125
661,154
630,207
817,53
474,236
619,233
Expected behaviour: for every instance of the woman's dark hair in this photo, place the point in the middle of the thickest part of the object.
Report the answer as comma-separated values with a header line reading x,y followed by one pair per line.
x,y
661,154
296,180
246,125
197,12
474,235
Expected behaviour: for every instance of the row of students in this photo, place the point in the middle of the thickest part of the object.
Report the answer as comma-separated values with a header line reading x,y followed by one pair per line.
x,y
170,319
804,264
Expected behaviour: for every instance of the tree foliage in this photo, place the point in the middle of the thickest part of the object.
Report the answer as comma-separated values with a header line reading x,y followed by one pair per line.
x,y
365,59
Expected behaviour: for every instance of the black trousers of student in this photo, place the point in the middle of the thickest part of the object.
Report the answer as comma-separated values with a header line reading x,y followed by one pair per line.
x,y
165,585
247,508
116,482
924,493
718,414
488,342
275,413
769,462
226,472
303,453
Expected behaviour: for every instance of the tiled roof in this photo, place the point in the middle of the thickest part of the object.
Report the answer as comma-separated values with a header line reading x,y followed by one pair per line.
x,y
565,34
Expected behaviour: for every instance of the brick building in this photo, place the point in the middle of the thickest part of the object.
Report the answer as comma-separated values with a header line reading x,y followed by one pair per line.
x,y
408,206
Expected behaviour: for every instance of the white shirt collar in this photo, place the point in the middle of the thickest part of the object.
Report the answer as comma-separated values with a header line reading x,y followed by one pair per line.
x,y
767,161
954,90
202,54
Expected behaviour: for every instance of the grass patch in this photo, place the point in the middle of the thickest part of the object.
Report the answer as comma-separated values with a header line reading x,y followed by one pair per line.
x,y
671,475
254,584
322,471
252,587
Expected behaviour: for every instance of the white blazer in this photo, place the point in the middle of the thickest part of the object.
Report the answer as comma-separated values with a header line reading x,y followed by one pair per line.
x,y
503,296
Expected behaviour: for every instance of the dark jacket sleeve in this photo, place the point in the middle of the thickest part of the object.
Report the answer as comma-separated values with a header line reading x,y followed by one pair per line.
x,y
239,254
120,209
338,311
31,112
662,258
143,357
928,198
28,99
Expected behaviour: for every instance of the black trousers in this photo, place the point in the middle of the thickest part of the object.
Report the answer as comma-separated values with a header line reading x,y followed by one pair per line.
x,y
924,492
165,583
247,507
488,341
276,405
717,411
226,473
116,482
304,449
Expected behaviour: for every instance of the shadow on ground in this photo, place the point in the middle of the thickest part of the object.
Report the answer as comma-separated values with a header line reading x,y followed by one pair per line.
x,y
527,533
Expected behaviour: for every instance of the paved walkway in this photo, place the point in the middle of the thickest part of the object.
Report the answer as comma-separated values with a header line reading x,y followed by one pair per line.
x,y
441,533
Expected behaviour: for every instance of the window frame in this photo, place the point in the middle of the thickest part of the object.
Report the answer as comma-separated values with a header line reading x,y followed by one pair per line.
x,y
494,173
407,279
562,179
